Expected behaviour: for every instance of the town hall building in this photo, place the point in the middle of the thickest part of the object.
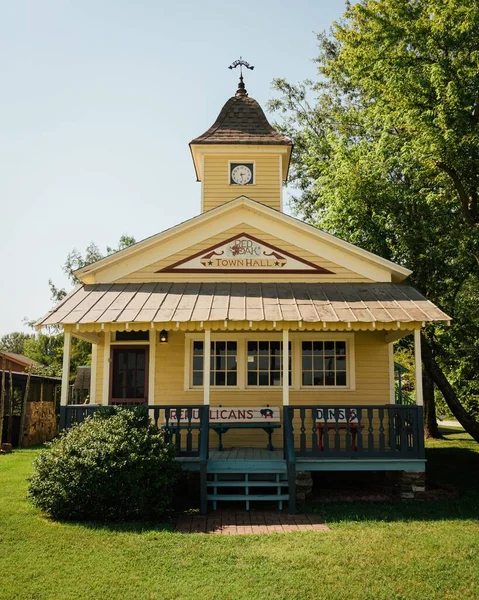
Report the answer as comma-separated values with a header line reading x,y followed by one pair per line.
x,y
261,345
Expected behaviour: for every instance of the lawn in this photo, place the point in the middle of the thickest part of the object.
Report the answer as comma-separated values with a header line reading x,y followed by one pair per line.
x,y
413,550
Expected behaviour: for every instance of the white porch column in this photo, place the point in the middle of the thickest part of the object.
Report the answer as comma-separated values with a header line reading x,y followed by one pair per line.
x,y
418,366
392,382
206,366
106,369
67,342
285,367
152,367
93,371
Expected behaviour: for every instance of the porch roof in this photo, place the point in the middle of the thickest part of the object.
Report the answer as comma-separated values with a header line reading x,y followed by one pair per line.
x,y
255,302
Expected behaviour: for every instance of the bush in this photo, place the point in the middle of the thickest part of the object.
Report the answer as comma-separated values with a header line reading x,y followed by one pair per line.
x,y
113,466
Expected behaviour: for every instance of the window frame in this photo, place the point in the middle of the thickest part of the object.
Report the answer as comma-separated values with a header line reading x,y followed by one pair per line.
x,y
241,162
349,339
213,370
295,338
113,349
190,338
269,386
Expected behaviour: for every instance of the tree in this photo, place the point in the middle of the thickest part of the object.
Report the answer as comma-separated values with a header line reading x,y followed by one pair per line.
x,y
387,158
76,260
14,342
47,348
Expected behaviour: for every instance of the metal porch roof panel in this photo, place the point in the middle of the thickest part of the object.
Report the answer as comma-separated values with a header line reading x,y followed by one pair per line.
x,y
195,302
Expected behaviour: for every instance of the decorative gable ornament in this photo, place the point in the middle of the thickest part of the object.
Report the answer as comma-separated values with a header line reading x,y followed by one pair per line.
x,y
244,254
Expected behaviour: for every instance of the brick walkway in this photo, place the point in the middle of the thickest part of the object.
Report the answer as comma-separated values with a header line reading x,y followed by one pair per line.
x,y
240,522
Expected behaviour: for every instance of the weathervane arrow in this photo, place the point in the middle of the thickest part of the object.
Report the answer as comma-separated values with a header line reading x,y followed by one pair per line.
x,y
241,63
241,91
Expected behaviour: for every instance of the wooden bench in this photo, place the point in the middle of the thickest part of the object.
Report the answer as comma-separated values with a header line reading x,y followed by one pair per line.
x,y
222,428
333,426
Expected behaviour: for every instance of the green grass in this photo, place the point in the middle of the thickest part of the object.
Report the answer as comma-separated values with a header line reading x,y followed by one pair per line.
x,y
413,550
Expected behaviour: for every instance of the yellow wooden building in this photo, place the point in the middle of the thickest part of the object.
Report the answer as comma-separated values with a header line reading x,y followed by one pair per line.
x,y
247,329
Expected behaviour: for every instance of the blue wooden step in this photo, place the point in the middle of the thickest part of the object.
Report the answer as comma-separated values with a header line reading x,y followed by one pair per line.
x,y
248,497
243,483
246,481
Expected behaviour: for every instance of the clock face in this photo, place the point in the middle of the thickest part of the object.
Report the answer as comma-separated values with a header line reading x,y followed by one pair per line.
x,y
242,174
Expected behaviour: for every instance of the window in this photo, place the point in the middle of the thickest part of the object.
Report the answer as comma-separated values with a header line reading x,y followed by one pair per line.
x,y
132,336
224,365
323,363
265,363
129,375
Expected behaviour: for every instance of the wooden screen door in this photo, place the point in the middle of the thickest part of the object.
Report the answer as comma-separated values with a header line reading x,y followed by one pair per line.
x,y
129,375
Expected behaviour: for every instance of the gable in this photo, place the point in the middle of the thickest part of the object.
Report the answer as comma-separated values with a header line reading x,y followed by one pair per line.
x,y
243,216
244,253
295,263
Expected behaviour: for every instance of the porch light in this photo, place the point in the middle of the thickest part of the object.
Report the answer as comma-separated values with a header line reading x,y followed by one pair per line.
x,y
163,337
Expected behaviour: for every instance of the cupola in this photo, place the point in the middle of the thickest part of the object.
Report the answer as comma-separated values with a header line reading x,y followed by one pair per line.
x,y
241,154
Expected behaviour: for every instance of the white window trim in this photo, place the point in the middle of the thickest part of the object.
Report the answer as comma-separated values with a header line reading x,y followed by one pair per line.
x,y
266,337
215,337
242,162
242,338
350,361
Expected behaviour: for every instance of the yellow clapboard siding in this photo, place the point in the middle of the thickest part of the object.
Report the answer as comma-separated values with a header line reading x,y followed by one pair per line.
x,y
216,180
372,385
149,273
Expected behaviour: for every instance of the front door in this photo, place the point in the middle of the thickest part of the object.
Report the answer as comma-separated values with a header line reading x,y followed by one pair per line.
x,y
129,377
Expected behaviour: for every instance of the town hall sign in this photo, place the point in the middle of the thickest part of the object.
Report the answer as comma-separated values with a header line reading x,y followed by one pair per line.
x,y
244,254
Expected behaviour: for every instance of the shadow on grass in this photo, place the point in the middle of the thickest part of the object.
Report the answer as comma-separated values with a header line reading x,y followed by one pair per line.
x,y
140,527
451,463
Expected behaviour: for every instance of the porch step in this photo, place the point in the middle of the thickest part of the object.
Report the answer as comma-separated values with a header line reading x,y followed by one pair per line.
x,y
248,483
241,466
248,497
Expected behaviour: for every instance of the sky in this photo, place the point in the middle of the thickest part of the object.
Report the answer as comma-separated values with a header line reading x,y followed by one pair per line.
x,y
99,101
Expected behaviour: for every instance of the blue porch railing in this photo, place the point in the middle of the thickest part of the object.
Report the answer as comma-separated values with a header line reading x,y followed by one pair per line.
x,y
185,427
316,432
390,431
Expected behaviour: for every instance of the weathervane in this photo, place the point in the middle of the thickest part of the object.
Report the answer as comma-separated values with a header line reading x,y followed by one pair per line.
x,y
241,91
241,63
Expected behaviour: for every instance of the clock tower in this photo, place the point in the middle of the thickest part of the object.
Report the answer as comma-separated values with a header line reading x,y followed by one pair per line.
x,y
241,155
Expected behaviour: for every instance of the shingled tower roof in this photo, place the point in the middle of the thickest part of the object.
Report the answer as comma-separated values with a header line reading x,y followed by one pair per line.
x,y
242,121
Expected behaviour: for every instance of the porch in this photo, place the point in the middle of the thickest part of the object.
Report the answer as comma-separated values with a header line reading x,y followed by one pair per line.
x,y
314,438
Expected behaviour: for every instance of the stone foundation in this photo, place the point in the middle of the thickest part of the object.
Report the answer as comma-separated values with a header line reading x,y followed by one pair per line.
x,y
412,485
304,485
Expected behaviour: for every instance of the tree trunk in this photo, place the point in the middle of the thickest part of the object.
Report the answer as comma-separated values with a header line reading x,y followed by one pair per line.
x,y
431,430
446,389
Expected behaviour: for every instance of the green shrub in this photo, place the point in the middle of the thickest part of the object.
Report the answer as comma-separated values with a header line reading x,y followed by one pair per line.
x,y
113,466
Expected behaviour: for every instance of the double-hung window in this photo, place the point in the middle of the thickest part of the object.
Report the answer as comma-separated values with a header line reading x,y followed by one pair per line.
x,y
265,363
245,363
324,363
224,363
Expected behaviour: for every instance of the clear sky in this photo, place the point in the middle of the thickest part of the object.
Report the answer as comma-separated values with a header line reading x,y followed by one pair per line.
x,y
99,101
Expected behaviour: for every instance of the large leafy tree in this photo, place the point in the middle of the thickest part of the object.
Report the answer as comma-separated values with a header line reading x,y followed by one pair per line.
x,y
14,342
77,260
386,153
47,347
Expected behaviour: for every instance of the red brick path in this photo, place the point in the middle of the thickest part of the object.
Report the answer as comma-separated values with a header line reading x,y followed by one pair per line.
x,y
230,522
